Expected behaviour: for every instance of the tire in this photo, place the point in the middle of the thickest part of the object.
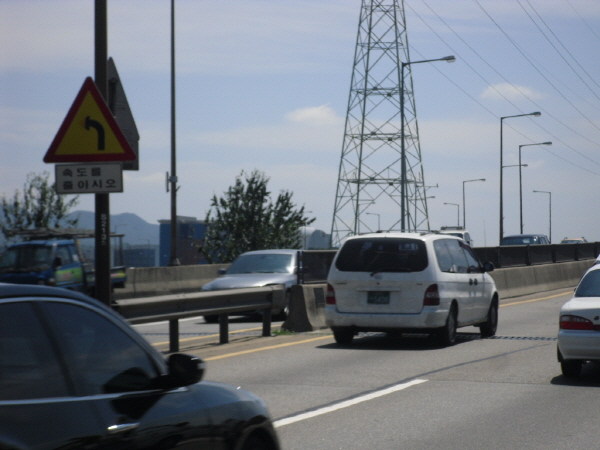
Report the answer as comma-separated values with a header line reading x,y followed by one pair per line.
x,y
213,318
343,336
571,368
489,327
447,335
255,442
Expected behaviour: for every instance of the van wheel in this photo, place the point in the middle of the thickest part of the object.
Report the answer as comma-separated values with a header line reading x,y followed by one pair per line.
x,y
343,336
447,335
489,327
213,318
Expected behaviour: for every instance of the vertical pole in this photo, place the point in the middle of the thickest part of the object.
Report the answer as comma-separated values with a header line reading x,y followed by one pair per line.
x,y
501,170
402,155
174,260
173,335
223,328
464,209
520,193
102,201
550,215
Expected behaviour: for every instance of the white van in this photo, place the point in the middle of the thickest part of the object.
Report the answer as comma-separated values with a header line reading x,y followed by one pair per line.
x,y
458,232
409,282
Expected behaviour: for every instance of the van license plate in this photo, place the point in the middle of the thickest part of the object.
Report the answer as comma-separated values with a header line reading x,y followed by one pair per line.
x,y
378,297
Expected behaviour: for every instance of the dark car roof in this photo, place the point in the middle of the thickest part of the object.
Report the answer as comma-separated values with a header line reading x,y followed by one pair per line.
x,y
8,290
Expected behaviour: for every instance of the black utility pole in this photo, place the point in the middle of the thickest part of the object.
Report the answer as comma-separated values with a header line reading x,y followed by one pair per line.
x,y
102,238
173,260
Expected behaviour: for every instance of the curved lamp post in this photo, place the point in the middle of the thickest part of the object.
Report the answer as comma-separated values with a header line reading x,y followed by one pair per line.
x,y
536,114
378,219
521,180
464,208
549,211
457,212
403,202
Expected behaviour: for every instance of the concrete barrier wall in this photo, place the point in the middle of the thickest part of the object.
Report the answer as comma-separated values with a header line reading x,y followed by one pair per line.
x,y
152,281
516,281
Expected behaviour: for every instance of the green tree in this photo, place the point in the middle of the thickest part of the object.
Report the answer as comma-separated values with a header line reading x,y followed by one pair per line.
x,y
37,206
246,219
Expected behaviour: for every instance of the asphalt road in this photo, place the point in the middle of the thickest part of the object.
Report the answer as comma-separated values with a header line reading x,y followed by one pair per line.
x,y
384,392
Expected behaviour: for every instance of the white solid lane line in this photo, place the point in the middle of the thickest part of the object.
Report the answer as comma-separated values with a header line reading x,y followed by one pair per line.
x,y
347,403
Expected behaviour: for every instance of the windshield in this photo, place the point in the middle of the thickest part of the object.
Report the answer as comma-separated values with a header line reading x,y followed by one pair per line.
x,y
30,257
382,255
589,285
262,263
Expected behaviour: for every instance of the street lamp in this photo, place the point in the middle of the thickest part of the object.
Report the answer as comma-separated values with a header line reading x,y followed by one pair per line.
x,y
403,200
457,212
550,211
464,214
520,180
536,114
378,217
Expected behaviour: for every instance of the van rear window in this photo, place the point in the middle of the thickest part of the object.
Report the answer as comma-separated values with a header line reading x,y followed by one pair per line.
x,y
382,255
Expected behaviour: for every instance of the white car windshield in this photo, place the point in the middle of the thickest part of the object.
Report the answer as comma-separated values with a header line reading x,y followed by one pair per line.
x,y
262,263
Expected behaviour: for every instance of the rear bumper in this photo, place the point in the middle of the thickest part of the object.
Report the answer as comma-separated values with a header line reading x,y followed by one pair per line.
x,y
426,319
579,344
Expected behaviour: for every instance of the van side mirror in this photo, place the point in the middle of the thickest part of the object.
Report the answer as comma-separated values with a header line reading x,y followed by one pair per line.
x,y
488,267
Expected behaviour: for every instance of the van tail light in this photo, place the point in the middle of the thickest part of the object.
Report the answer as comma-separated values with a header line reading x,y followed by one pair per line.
x,y
330,298
569,322
432,296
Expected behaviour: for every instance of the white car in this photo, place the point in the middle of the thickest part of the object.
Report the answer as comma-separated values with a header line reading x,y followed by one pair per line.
x,y
409,282
579,329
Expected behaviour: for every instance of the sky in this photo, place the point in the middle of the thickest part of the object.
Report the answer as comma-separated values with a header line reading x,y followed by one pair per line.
x,y
263,85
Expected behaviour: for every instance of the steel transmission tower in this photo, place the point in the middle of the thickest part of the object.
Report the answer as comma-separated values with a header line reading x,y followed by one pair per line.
x,y
371,170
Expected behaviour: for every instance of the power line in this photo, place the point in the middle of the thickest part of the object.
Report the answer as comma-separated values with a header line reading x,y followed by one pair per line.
x,y
501,94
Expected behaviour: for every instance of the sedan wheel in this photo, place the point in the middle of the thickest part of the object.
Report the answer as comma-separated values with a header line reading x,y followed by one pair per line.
x,y
571,368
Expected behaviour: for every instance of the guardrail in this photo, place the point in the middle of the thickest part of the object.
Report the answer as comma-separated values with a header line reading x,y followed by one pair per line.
x,y
221,303
530,255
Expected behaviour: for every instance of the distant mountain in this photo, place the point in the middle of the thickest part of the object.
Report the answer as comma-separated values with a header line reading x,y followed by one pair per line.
x,y
136,230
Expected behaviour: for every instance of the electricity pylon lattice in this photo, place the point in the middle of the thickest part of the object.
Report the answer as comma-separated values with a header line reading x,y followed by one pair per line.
x,y
370,180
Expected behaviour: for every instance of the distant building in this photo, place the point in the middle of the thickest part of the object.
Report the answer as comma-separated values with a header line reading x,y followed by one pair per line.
x,y
190,237
313,239
137,256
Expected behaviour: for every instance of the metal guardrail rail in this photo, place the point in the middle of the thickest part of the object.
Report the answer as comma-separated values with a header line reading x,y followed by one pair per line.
x,y
221,303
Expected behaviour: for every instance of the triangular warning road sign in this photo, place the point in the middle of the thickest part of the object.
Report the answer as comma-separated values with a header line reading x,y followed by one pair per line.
x,y
89,132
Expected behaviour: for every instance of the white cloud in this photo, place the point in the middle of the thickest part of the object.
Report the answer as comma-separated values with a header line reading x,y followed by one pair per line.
x,y
314,116
511,92
314,128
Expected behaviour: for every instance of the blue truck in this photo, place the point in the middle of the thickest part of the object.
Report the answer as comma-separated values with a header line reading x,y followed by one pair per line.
x,y
53,262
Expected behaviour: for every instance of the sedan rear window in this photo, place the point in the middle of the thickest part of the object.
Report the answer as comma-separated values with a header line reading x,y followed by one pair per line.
x,y
382,255
589,286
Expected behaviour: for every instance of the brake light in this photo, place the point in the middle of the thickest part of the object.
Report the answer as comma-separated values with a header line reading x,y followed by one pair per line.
x,y
330,297
432,296
569,322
